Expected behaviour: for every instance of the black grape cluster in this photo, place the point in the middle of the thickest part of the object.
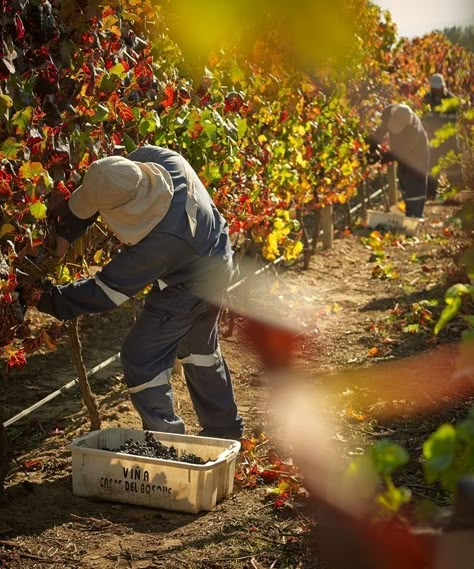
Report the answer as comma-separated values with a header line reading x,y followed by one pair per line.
x,y
153,448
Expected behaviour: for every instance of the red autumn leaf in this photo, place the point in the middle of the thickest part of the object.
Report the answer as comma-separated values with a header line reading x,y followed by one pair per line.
x,y
16,359
269,475
125,112
107,11
5,185
20,28
196,131
205,100
233,102
281,501
32,464
169,93
62,188
116,138
308,153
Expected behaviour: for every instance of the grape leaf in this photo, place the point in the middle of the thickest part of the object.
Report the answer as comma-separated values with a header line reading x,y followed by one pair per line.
x,y
38,210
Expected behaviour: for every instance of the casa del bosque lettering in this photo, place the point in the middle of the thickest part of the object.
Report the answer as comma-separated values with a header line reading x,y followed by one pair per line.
x,y
134,480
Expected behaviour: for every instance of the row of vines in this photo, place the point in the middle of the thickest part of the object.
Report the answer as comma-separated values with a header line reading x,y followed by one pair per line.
x,y
274,126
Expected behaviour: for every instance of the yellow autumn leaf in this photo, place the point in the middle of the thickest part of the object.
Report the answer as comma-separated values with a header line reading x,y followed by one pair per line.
x,y
38,210
6,229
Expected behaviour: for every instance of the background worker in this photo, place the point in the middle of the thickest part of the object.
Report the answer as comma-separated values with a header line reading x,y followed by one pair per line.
x,y
409,146
435,119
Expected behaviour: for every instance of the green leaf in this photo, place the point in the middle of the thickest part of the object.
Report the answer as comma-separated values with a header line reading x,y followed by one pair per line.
x,y
453,304
130,16
108,84
150,123
9,148
6,104
22,120
388,456
109,22
439,451
119,70
63,275
129,144
212,173
443,134
210,129
255,193
394,498
458,290
101,113
241,126
236,74
38,210
448,313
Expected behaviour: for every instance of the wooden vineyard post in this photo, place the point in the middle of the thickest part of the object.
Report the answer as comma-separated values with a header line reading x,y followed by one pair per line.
x,y
87,395
327,226
392,184
304,239
363,204
316,231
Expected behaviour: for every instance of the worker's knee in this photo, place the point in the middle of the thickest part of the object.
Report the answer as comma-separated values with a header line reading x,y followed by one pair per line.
x,y
129,357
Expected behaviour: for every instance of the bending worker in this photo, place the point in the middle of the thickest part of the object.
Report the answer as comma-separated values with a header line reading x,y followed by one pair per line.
x,y
409,146
174,239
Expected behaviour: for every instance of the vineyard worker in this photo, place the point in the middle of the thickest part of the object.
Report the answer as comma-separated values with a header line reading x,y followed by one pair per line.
x,y
434,120
438,92
174,239
410,148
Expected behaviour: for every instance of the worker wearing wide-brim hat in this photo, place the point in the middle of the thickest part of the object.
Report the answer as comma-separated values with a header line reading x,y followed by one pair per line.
x,y
409,146
174,239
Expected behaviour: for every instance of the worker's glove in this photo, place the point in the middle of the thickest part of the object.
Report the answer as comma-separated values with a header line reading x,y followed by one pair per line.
x,y
29,295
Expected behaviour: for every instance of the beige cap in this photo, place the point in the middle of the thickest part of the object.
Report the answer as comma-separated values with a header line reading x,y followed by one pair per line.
x,y
400,117
437,81
131,197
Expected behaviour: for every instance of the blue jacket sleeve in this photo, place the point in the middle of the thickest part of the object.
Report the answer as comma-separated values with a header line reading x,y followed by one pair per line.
x,y
129,272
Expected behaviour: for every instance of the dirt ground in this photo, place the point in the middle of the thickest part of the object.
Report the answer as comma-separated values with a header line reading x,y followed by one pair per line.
x,y
369,356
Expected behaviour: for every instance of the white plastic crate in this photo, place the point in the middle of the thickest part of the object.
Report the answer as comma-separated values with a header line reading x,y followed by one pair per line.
x,y
153,482
393,221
